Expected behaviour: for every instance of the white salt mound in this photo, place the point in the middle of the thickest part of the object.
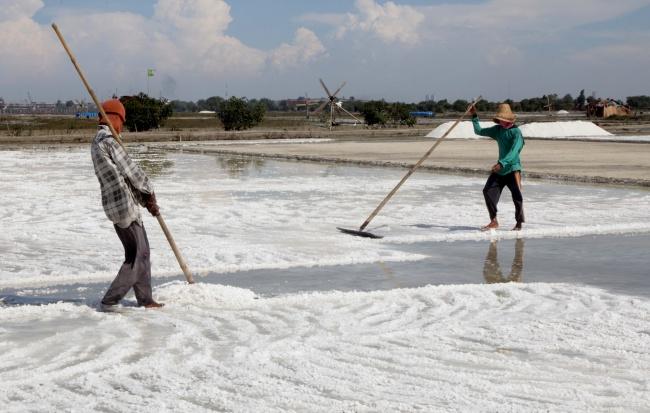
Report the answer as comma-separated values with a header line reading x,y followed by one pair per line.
x,y
562,129
463,130
578,128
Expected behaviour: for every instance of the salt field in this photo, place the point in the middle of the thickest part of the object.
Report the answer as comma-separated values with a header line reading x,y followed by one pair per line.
x,y
559,130
309,245
288,314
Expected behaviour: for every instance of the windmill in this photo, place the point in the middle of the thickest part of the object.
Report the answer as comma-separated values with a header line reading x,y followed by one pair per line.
x,y
548,105
30,102
334,104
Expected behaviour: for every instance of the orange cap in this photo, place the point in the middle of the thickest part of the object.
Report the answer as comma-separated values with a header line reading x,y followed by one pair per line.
x,y
115,107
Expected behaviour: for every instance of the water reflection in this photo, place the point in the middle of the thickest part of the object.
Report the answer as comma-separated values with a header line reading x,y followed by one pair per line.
x,y
154,163
492,270
156,167
237,167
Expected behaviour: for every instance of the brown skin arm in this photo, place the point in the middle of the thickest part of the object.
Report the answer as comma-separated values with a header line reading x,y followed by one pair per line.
x,y
497,166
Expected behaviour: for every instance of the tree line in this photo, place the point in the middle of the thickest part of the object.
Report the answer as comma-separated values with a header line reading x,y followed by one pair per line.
x,y
145,113
552,102
238,113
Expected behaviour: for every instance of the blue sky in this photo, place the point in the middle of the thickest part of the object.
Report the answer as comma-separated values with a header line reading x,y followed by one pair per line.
x,y
397,50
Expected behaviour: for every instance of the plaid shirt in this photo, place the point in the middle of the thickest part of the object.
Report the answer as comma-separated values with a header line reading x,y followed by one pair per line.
x,y
122,181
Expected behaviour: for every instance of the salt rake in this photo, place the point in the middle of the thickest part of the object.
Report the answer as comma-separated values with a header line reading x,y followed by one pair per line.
x,y
360,232
163,225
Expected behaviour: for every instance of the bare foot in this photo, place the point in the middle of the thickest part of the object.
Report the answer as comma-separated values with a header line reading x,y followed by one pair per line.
x,y
154,305
517,227
494,224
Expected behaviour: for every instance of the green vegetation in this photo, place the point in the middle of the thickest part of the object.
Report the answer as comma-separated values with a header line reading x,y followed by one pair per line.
x,y
550,102
380,113
144,113
374,113
639,102
239,114
215,104
21,125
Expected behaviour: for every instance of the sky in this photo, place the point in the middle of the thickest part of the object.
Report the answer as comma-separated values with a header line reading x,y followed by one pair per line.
x,y
401,50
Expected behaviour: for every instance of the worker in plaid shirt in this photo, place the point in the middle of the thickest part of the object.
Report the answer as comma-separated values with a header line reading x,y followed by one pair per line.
x,y
124,187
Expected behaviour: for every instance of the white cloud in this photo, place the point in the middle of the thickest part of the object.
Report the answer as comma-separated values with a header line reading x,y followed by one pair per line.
x,y
305,48
504,54
189,40
14,10
27,49
390,22
196,17
183,39
191,34
506,16
630,52
512,21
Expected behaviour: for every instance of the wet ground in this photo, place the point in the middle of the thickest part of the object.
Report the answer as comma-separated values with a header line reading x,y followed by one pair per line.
x,y
287,211
619,264
548,341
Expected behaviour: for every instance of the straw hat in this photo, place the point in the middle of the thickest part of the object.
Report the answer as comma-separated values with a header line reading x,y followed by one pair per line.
x,y
504,113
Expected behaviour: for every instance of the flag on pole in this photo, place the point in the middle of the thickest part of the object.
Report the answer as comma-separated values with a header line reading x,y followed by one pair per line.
x,y
150,72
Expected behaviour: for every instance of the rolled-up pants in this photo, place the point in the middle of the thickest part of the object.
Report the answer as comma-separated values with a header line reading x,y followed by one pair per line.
x,y
136,269
492,193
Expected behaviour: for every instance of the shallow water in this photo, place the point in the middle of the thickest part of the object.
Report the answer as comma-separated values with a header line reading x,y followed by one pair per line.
x,y
269,226
581,261
283,339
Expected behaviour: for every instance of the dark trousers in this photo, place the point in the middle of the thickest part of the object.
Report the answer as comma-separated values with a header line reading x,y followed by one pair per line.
x,y
492,270
492,193
136,269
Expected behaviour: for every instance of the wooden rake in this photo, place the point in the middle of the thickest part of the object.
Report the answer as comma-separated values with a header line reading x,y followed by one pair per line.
x,y
163,225
360,232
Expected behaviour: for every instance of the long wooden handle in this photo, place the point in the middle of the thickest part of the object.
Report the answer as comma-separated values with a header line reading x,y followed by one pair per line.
x,y
168,234
177,253
85,82
416,166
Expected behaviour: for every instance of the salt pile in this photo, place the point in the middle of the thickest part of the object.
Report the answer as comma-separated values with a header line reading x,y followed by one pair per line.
x,y
463,130
562,129
577,128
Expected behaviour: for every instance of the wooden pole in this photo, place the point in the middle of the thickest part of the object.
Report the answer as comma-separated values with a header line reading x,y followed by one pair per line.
x,y
416,166
163,225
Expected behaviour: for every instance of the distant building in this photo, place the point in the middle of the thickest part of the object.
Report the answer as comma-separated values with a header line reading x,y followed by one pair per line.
x,y
605,108
301,102
41,108
86,115
422,114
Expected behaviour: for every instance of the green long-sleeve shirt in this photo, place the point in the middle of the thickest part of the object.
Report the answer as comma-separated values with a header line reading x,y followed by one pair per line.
x,y
510,143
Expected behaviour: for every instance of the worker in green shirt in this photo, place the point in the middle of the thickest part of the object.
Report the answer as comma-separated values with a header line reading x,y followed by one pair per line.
x,y
507,170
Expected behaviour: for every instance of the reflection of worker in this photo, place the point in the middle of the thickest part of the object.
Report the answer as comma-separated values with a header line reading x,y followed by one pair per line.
x,y
492,270
124,185
507,171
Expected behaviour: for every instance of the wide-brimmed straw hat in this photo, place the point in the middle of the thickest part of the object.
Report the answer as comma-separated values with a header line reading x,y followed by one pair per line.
x,y
504,113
